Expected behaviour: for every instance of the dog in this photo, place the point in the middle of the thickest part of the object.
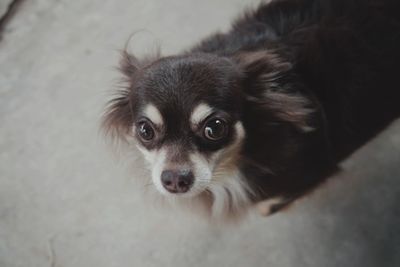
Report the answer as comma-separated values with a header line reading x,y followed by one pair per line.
x,y
262,114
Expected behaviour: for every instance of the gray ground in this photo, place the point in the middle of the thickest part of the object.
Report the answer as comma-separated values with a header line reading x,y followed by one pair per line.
x,y
65,201
3,7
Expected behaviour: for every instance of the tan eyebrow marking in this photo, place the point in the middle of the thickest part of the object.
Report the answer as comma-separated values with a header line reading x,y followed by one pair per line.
x,y
199,113
153,114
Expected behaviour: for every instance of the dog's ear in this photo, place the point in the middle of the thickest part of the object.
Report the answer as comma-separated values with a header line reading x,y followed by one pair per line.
x,y
118,118
128,64
270,85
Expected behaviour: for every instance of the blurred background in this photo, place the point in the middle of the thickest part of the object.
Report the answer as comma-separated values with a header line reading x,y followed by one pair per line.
x,y
66,201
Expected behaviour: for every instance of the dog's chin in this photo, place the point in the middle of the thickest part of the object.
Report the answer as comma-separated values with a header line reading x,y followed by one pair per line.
x,y
192,193
219,197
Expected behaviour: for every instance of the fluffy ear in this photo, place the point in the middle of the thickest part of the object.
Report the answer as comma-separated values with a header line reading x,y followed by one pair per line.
x,y
270,85
128,64
118,117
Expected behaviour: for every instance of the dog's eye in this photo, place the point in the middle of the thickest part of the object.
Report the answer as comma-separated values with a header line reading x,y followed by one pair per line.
x,y
145,131
215,129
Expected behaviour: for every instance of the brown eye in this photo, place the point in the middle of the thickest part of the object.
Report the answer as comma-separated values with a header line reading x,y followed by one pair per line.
x,y
145,130
215,129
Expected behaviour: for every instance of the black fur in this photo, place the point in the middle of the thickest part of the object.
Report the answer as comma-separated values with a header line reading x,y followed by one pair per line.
x,y
344,56
311,80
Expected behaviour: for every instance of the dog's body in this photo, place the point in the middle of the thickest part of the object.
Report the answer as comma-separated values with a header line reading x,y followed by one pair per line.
x,y
266,111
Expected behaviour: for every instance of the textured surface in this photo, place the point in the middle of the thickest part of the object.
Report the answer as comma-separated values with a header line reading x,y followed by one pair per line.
x,y
4,6
65,201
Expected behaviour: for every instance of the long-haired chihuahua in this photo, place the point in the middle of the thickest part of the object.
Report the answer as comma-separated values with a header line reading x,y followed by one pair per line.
x,y
262,114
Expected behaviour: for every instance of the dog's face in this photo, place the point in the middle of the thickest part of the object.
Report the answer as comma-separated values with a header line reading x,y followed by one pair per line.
x,y
186,115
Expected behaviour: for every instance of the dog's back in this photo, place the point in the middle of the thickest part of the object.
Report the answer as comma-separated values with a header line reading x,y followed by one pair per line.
x,y
346,52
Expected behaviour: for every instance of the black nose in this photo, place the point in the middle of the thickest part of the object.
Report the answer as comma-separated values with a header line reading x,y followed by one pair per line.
x,y
177,181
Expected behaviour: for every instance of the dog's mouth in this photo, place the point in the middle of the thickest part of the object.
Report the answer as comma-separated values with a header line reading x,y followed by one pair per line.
x,y
215,180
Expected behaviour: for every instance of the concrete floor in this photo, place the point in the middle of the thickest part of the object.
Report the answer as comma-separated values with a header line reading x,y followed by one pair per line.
x,y
65,201
3,7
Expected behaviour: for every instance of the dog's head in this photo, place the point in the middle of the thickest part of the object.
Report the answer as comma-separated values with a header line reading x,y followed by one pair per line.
x,y
185,114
